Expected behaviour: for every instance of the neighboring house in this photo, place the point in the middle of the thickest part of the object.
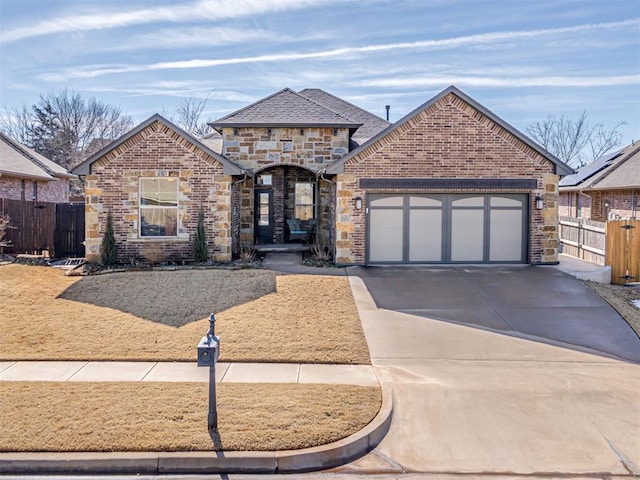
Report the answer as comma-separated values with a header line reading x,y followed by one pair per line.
x,y
27,175
448,183
606,189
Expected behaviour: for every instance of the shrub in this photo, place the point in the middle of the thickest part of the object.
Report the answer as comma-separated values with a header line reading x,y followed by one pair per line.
x,y
109,250
321,252
200,254
5,221
153,253
248,253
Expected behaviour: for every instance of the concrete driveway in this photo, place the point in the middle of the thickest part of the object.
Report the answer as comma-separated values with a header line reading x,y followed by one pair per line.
x,y
507,398
539,303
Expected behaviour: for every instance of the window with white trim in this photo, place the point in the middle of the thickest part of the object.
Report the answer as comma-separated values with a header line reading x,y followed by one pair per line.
x,y
159,207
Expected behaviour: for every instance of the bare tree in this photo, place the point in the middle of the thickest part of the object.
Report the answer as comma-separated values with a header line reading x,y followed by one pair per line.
x,y
62,125
575,141
188,116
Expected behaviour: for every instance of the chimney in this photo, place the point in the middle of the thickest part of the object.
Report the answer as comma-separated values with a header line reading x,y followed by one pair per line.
x,y
387,107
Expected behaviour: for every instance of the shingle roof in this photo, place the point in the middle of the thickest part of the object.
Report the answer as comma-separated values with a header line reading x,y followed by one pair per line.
x,y
84,168
17,160
561,167
371,124
618,170
285,108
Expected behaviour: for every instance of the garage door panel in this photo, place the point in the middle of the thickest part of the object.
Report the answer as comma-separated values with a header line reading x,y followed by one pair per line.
x,y
505,237
386,235
467,235
425,235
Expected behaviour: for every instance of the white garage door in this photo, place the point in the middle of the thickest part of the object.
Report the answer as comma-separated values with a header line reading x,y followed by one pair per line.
x,y
447,228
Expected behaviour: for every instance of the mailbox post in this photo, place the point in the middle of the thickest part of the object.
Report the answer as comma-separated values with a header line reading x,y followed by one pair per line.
x,y
208,354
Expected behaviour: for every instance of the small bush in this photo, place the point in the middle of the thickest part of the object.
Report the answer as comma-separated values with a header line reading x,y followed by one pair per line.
x,y
321,252
153,253
5,221
248,253
200,254
109,250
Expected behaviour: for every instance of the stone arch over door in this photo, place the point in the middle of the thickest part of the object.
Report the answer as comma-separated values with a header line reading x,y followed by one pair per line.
x,y
279,194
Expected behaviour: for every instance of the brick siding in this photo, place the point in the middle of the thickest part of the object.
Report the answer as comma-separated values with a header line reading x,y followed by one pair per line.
x,y
450,139
56,191
158,151
601,205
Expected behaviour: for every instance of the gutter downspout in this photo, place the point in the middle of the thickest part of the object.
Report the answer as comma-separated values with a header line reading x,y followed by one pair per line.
x,y
581,192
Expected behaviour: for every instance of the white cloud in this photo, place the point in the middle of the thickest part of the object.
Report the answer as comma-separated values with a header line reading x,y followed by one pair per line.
x,y
201,10
471,81
193,37
341,53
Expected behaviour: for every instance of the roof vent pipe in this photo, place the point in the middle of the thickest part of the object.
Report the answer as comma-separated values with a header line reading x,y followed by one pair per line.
x,y
387,107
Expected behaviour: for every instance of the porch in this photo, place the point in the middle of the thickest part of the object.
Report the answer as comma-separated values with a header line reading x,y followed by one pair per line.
x,y
285,208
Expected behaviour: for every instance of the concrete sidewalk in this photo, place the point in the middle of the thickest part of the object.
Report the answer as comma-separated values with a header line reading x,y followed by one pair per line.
x,y
187,372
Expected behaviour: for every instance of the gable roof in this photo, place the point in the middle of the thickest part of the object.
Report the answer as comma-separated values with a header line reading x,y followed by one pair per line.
x,y
614,171
560,167
285,108
17,160
371,124
84,168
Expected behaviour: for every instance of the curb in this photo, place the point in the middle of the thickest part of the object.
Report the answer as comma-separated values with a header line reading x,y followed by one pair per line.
x,y
286,461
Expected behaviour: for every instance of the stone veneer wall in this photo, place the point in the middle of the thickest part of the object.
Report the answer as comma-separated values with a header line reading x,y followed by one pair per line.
x,y
55,191
256,148
450,139
276,153
158,151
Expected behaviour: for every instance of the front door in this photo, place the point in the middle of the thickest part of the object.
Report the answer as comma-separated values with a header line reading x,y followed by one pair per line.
x,y
264,215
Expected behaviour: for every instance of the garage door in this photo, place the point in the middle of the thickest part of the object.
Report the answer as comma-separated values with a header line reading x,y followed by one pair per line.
x,y
447,228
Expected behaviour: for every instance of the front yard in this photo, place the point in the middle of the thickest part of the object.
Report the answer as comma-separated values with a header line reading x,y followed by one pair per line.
x,y
161,316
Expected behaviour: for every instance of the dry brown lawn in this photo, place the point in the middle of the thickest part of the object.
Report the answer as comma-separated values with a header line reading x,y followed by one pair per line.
x,y
44,416
620,297
161,316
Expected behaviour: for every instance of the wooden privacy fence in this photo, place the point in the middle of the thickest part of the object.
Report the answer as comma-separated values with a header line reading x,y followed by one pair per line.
x,y
42,226
615,243
584,239
623,250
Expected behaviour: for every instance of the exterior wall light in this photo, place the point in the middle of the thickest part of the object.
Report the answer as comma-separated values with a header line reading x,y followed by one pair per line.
x,y
358,203
539,202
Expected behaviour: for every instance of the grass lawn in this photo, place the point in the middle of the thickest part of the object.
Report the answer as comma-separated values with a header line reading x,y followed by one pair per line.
x,y
161,316
103,417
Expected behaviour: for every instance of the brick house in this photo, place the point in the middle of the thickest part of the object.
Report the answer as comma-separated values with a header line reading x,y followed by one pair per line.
x,y
448,183
27,175
606,189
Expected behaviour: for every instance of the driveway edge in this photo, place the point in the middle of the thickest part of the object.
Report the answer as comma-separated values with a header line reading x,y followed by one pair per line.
x,y
285,461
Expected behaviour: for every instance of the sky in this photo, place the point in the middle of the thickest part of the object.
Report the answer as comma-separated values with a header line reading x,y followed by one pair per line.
x,y
523,60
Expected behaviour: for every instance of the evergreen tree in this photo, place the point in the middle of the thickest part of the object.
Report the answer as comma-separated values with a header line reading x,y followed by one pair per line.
x,y
109,251
200,254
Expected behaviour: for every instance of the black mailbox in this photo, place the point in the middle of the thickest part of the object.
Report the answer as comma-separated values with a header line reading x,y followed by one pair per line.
x,y
208,351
